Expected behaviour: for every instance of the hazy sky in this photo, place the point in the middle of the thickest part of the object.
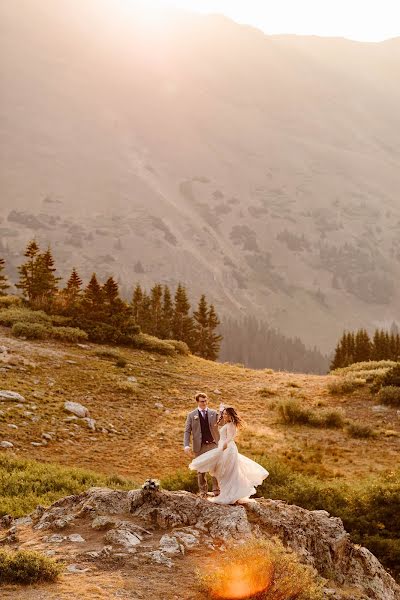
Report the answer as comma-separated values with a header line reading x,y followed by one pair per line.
x,y
368,20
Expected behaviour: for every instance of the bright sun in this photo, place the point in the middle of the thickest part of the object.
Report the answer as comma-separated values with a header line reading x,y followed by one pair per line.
x,y
368,20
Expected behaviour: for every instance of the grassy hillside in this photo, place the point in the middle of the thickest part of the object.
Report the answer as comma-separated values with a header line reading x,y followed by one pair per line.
x,y
139,424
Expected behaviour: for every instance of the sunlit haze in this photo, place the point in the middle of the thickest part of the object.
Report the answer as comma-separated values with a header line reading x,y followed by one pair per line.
x,y
367,20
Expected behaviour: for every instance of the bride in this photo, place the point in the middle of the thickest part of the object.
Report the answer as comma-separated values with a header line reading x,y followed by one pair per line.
x,y
237,475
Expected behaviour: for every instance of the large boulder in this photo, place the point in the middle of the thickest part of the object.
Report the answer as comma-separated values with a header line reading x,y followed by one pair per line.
x,y
76,409
12,396
161,527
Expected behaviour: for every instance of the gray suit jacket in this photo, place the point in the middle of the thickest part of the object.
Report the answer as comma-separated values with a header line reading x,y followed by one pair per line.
x,y
193,428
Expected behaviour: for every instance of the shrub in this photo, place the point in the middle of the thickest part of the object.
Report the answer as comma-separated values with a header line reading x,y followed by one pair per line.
x,y
292,413
126,387
24,484
265,392
59,320
345,386
391,377
263,569
390,394
26,567
356,430
181,480
68,334
367,365
180,347
149,343
9,301
121,362
32,331
19,314
333,419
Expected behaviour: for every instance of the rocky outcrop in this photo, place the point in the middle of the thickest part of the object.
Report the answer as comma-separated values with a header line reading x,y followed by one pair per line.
x,y
161,527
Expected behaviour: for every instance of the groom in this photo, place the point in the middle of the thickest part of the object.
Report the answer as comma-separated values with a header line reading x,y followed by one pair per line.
x,y
201,423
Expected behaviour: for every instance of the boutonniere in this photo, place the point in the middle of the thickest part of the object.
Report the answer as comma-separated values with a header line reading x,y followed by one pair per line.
x,y
196,416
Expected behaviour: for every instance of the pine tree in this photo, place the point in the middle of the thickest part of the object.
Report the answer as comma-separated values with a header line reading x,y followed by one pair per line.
x,y
110,292
137,299
201,328
72,291
27,271
145,321
156,294
92,301
4,285
378,345
46,284
214,339
362,350
166,315
338,359
182,322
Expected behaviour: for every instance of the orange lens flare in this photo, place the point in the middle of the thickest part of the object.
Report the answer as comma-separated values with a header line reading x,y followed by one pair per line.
x,y
239,581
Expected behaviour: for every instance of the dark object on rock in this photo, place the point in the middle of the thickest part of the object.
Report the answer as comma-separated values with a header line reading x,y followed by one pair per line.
x,y
151,485
5,522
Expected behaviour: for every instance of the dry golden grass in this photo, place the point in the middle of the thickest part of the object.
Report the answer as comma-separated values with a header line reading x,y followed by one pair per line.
x,y
138,439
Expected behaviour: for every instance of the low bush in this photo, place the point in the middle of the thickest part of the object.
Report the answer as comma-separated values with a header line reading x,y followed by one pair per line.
x,y
183,479
108,353
19,314
266,392
126,387
180,347
356,430
9,301
31,331
391,377
390,394
368,365
292,413
149,343
68,334
27,567
121,362
345,386
333,419
24,484
263,570
60,321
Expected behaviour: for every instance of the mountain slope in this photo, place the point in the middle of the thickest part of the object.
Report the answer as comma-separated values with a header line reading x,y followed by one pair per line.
x,y
262,170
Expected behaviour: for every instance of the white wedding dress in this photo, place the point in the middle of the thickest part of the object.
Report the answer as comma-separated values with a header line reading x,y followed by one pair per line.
x,y
237,475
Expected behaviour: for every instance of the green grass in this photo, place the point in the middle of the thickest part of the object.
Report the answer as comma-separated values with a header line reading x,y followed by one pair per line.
x,y
24,484
292,413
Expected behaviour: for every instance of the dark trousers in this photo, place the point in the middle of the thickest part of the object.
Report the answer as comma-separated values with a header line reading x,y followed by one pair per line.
x,y
202,477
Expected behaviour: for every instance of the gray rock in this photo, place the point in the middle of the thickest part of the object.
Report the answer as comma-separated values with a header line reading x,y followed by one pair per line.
x,y
103,523
13,396
132,379
36,444
5,444
54,539
91,423
23,521
169,545
75,538
77,409
12,426
75,569
160,558
122,538
379,408
159,405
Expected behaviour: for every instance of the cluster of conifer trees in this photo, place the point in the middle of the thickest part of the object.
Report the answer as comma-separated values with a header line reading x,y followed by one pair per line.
x,y
357,346
157,313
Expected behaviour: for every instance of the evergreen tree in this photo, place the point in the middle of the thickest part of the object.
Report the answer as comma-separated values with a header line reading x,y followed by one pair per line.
x,y
110,292
4,285
137,299
338,359
27,271
92,301
213,339
362,350
72,292
156,294
182,322
167,314
145,321
379,351
46,284
201,328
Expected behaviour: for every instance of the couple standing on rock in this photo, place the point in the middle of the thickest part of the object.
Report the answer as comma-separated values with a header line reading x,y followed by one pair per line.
x,y
234,476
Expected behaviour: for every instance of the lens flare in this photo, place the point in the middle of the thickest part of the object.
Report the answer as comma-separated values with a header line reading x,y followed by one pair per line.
x,y
239,580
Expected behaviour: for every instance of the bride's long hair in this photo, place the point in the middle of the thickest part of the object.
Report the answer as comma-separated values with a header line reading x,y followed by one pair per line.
x,y
235,418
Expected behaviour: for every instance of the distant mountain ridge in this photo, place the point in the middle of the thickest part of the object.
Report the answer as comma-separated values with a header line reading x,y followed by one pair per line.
x,y
261,170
